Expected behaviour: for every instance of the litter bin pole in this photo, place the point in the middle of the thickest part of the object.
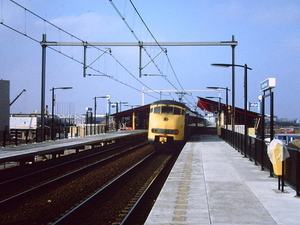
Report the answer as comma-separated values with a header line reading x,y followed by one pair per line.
x,y
282,177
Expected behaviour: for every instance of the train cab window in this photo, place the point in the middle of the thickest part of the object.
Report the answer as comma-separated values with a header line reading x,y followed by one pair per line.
x,y
156,109
167,109
177,111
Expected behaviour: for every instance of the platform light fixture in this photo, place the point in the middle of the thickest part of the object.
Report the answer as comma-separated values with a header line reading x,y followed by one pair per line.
x,y
53,104
219,108
246,68
226,111
95,106
219,102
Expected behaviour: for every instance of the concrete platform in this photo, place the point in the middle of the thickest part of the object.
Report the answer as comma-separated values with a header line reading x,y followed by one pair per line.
x,y
211,183
24,151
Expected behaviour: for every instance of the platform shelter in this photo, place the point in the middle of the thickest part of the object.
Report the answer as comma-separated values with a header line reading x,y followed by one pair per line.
x,y
132,119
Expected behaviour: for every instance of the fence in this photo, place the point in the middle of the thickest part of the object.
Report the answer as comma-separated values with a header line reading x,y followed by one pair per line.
x,y
256,150
25,136
17,137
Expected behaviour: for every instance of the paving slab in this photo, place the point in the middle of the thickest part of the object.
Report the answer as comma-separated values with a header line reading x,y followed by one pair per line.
x,y
211,183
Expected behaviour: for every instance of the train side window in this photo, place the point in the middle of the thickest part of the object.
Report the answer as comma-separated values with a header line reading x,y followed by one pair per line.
x,y
177,111
167,109
157,109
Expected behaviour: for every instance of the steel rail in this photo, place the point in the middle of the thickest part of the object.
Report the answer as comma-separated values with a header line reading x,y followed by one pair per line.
x,y
61,177
128,171
60,164
144,191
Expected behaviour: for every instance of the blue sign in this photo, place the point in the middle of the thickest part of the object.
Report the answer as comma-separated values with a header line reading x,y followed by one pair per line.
x,y
267,84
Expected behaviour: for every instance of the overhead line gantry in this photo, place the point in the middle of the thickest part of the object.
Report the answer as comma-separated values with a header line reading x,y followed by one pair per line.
x,y
140,44
84,43
44,43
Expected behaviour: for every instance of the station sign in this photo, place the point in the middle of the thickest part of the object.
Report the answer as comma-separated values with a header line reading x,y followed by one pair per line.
x,y
253,104
267,84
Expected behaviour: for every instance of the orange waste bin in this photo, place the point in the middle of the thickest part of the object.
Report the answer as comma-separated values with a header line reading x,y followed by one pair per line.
x,y
277,153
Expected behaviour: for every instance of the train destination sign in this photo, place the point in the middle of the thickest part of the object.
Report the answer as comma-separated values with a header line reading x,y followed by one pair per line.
x,y
267,84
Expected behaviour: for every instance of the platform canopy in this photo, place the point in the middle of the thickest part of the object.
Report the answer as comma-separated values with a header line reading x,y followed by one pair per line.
x,y
144,108
134,118
213,106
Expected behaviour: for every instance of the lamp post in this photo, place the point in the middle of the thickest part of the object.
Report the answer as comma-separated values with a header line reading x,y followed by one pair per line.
x,y
118,105
219,108
53,104
95,106
118,108
226,111
219,102
133,115
246,68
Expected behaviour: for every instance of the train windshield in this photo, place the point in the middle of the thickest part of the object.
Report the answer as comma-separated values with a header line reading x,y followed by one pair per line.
x,y
178,111
156,110
168,110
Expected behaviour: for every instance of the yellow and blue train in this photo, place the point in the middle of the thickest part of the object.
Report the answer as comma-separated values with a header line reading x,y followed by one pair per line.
x,y
171,123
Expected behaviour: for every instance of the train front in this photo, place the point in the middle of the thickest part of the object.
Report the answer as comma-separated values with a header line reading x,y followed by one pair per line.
x,y
166,124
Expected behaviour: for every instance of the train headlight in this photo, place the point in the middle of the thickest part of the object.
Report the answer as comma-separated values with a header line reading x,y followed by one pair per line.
x,y
153,130
175,132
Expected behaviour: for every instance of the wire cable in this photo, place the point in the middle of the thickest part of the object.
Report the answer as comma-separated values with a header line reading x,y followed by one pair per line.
x,y
68,56
133,33
159,47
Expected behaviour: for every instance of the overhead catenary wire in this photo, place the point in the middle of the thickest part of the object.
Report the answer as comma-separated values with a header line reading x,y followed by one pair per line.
x,y
71,56
162,49
172,68
66,55
135,36
146,25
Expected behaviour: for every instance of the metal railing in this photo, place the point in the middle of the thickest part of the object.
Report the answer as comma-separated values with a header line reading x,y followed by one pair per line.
x,y
256,150
26,136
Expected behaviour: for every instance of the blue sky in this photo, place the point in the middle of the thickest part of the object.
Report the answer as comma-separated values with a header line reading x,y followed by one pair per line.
x,y
268,35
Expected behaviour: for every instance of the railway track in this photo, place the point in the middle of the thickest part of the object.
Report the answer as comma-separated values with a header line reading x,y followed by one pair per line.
x,y
125,194
38,202
32,179
141,205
